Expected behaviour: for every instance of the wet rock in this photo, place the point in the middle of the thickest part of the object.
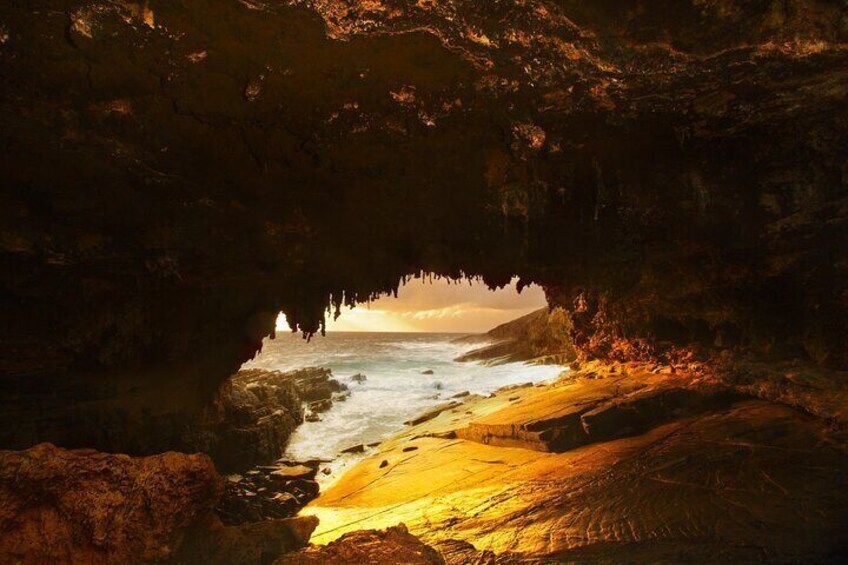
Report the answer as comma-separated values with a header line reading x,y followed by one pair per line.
x,y
355,449
359,378
312,417
256,413
341,396
462,394
315,383
428,372
431,413
394,545
320,406
287,473
305,490
266,492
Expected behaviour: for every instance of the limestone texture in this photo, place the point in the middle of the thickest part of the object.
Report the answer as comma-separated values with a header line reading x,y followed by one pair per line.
x,y
60,506
176,173
699,477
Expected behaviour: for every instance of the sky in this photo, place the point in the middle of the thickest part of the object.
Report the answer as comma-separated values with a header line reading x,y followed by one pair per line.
x,y
440,306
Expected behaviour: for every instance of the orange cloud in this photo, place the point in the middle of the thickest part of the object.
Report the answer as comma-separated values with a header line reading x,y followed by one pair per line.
x,y
438,307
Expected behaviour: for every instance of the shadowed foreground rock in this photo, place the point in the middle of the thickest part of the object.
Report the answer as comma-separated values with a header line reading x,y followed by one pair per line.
x,y
59,506
392,546
254,414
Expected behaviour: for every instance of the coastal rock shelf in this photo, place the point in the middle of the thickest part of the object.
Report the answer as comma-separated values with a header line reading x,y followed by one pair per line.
x,y
687,471
589,411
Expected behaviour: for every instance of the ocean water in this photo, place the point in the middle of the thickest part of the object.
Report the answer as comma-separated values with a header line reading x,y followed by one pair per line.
x,y
395,389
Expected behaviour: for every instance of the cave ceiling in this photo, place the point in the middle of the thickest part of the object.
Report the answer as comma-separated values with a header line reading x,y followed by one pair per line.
x,y
175,173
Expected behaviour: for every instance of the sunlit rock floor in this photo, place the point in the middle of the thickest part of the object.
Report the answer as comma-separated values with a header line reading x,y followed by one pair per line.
x,y
600,466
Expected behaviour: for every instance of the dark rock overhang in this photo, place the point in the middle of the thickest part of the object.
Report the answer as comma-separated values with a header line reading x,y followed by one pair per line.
x,y
174,173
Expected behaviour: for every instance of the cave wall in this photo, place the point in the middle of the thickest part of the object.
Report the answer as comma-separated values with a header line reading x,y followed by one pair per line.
x,y
175,173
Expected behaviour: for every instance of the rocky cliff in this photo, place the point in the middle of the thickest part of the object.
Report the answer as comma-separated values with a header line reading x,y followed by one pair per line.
x,y
176,173
542,336
255,412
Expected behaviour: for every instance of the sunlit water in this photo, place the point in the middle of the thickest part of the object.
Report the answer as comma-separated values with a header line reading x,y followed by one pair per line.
x,y
395,389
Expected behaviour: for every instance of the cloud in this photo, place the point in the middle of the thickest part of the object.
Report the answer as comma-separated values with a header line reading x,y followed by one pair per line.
x,y
441,306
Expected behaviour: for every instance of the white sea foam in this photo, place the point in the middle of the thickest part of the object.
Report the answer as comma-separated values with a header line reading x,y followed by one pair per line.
x,y
395,389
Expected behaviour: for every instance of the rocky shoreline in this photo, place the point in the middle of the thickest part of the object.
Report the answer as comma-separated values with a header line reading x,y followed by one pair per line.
x,y
93,501
256,411
611,463
502,479
261,411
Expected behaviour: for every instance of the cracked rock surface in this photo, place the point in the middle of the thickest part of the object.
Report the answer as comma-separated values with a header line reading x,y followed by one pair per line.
x,y
741,479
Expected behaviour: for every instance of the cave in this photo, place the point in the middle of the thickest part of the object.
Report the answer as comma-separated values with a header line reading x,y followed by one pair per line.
x,y
672,173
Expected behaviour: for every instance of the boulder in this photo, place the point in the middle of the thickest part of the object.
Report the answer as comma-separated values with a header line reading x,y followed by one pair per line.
x,y
255,414
305,490
82,506
248,544
394,545
286,473
359,378
315,383
320,405
268,492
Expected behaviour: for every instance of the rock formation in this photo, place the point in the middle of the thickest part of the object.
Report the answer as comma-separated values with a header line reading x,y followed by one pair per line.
x,y
394,545
540,337
673,173
268,492
255,412
609,464
59,506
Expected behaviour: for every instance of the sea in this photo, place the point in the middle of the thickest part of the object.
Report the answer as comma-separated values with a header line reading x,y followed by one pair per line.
x,y
395,390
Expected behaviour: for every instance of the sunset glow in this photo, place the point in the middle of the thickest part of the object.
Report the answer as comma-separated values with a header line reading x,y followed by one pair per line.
x,y
437,306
